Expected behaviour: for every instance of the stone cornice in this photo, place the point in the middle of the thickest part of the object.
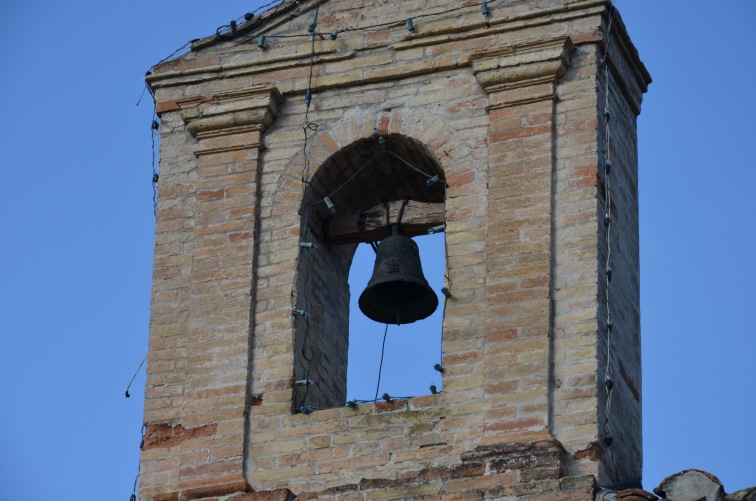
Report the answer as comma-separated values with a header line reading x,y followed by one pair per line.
x,y
521,66
626,67
254,108
470,26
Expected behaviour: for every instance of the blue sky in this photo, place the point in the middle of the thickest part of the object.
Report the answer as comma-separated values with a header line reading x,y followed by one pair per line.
x,y
77,236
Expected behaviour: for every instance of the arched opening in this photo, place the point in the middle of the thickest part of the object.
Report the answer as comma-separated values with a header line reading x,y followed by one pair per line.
x,y
355,197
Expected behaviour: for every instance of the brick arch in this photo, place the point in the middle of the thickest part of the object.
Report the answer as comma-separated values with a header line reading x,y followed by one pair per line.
x,y
436,134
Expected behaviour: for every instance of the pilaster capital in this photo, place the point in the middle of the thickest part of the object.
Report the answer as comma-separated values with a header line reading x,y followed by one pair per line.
x,y
523,65
254,107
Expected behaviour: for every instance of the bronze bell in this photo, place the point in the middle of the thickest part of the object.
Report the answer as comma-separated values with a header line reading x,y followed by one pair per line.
x,y
398,293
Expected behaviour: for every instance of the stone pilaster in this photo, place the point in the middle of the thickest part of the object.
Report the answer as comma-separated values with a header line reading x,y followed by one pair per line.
x,y
210,432
520,82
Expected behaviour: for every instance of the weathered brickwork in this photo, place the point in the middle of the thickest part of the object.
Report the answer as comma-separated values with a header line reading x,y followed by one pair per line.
x,y
509,110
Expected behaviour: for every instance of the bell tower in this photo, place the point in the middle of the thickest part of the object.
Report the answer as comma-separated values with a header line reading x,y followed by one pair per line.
x,y
511,127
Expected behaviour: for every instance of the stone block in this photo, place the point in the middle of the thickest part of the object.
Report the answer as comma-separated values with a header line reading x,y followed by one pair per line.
x,y
743,495
690,485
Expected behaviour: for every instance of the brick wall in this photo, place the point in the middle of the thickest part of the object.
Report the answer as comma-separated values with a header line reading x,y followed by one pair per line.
x,y
509,110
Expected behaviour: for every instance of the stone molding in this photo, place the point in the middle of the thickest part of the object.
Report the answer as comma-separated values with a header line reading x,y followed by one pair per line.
x,y
242,142
523,66
173,73
232,113
256,107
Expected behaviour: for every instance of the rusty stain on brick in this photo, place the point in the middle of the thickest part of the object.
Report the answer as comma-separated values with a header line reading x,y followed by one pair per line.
x,y
165,435
391,405
593,452
512,449
459,471
274,495
170,496
215,490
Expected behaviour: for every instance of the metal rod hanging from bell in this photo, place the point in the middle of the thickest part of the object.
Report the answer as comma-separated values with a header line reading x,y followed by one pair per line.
x,y
398,292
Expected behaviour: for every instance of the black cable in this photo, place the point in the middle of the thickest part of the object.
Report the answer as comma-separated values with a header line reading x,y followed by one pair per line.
x,y
230,30
369,29
412,166
362,167
141,96
280,3
134,376
264,21
355,402
154,129
306,300
187,44
155,174
312,64
614,466
308,126
380,367
133,496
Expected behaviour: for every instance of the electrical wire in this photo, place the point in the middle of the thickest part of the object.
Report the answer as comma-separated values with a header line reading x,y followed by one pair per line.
x,y
410,165
155,173
177,51
380,367
362,167
447,276
306,300
133,496
308,126
134,376
607,435
225,31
